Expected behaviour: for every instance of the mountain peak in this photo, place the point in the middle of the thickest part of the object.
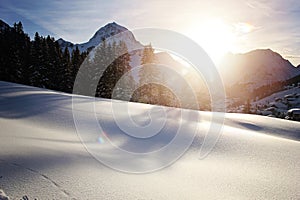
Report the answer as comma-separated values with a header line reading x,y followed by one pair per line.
x,y
107,31
114,24
264,51
258,67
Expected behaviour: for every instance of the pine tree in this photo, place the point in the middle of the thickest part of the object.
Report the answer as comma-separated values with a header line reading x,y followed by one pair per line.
x,y
68,72
73,67
54,69
102,57
112,61
148,93
122,66
15,60
148,55
42,63
38,60
15,45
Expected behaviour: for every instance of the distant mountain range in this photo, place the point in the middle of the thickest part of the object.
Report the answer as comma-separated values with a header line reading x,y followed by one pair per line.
x,y
253,69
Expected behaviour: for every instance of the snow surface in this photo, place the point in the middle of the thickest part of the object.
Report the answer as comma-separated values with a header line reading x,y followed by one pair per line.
x,y
281,94
42,156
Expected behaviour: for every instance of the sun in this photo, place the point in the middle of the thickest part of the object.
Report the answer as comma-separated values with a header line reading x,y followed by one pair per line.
x,y
215,36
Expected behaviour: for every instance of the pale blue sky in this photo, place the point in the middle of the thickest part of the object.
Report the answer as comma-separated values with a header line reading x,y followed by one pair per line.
x,y
234,25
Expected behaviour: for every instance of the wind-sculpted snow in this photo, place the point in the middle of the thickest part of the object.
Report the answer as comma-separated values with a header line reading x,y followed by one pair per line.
x,y
43,157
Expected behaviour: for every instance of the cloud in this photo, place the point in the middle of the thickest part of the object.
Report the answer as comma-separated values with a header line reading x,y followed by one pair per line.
x,y
261,6
73,20
294,59
293,56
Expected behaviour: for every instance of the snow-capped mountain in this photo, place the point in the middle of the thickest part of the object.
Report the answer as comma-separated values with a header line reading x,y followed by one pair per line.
x,y
64,44
257,68
109,30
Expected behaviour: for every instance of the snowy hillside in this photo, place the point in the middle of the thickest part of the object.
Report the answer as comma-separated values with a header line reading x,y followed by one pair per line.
x,y
42,156
279,103
280,95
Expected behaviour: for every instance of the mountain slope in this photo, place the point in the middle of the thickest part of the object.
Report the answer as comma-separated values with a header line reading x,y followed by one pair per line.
x,y
256,68
42,156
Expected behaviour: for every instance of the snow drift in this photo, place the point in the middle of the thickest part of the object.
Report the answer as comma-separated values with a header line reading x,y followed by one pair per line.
x,y
43,157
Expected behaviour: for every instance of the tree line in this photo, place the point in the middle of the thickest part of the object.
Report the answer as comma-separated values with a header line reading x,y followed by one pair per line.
x,y
42,63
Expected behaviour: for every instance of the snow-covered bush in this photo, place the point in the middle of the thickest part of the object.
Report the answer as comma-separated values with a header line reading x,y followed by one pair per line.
x,y
3,196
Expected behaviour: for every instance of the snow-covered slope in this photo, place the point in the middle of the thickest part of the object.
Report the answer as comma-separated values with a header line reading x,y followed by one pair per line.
x,y
256,68
280,96
42,156
278,104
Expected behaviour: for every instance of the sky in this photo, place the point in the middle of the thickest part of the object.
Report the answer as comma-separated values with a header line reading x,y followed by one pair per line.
x,y
236,26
